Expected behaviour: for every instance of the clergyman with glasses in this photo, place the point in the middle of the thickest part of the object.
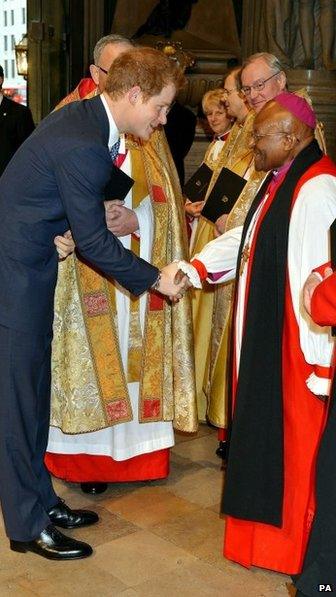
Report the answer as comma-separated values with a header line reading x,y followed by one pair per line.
x,y
262,78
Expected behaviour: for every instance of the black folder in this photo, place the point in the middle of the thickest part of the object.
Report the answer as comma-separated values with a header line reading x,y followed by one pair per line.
x,y
119,185
224,195
196,187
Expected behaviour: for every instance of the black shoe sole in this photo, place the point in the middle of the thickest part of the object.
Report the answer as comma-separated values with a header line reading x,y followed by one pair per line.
x,y
15,546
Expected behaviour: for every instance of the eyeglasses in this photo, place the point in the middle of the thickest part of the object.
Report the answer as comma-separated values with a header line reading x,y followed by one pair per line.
x,y
102,69
258,86
256,136
228,91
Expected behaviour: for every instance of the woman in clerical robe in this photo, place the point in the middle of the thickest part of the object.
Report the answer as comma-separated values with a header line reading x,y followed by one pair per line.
x,y
221,125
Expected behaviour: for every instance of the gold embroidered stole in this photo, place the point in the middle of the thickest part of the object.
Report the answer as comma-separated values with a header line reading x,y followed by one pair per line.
x,y
100,316
139,192
102,330
167,387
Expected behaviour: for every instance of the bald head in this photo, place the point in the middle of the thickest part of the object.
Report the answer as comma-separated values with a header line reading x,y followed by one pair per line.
x,y
278,137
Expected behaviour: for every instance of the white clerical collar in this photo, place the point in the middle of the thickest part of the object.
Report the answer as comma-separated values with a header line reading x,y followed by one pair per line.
x,y
114,133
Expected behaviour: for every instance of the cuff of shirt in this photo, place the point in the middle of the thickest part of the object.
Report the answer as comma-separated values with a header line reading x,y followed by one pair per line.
x,y
201,269
320,386
319,381
191,272
320,269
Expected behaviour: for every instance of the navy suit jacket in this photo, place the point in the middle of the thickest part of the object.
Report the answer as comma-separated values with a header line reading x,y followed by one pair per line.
x,y
56,181
16,124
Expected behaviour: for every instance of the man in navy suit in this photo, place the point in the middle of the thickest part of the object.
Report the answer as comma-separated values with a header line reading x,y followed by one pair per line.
x,y
16,124
56,181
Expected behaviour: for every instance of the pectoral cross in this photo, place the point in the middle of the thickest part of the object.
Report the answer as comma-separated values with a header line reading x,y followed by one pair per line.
x,y
244,258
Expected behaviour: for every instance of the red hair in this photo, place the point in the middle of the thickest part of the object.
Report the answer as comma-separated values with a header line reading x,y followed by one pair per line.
x,y
145,67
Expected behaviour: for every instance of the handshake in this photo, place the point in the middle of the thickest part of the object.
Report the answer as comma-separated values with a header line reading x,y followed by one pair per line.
x,y
176,278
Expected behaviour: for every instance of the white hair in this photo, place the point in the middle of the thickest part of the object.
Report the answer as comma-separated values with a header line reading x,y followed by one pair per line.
x,y
112,38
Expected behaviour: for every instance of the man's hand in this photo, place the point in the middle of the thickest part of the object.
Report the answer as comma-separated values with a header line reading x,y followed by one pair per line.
x,y
180,276
311,283
64,244
194,209
220,225
168,286
119,219
111,202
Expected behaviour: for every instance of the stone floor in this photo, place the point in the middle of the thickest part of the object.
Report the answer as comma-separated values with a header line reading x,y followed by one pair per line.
x,y
157,539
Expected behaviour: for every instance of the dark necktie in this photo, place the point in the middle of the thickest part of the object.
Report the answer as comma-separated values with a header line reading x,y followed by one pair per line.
x,y
115,150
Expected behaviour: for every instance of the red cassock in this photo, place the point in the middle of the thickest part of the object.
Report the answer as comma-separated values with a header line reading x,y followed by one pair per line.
x,y
283,548
81,468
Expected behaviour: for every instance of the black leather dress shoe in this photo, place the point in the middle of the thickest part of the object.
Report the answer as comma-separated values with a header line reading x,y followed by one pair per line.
x,y
53,545
222,450
93,488
62,516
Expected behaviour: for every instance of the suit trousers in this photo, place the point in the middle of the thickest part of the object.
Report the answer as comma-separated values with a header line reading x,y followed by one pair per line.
x,y
26,491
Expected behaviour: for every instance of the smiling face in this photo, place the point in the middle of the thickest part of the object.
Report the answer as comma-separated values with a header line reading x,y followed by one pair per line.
x,y
276,137
147,115
254,75
270,148
217,117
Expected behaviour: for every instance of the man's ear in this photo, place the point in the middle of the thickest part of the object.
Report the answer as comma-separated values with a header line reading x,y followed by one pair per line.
x,y
282,80
290,141
134,94
94,73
